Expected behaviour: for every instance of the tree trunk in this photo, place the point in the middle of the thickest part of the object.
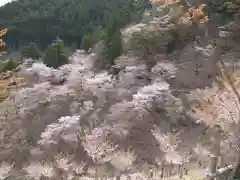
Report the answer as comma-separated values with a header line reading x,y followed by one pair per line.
x,y
212,167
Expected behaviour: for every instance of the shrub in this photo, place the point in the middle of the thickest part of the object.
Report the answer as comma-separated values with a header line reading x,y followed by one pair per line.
x,y
112,42
161,41
86,42
113,48
89,40
51,57
8,65
148,41
31,51
55,55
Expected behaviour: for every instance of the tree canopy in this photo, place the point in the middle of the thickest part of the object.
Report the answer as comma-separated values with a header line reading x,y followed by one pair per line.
x,y
41,21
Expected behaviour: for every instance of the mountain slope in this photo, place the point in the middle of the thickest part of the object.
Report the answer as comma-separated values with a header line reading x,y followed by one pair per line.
x,y
42,20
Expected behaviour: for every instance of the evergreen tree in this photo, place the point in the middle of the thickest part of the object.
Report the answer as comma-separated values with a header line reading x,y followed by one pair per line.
x,y
31,51
86,42
51,57
90,39
61,52
112,42
55,54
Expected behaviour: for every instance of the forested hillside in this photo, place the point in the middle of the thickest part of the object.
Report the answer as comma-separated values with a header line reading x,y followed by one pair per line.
x,y
157,99
41,21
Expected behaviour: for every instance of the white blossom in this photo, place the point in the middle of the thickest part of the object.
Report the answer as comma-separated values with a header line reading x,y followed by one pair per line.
x,y
66,128
135,176
29,98
77,167
96,145
122,160
207,50
224,34
37,170
164,70
62,162
4,170
42,71
88,105
115,107
144,97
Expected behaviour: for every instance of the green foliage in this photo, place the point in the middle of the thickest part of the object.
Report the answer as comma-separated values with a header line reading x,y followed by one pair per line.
x,y
149,41
112,43
162,41
31,51
7,65
51,57
41,21
225,8
89,40
86,42
55,55
228,13
183,34
230,7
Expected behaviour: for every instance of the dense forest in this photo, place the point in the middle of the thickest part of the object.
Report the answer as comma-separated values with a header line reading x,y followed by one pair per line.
x,y
40,21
